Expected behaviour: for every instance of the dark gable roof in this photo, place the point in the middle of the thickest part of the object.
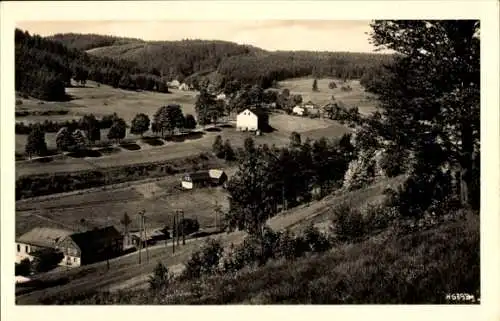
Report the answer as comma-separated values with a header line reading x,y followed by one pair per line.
x,y
43,236
95,238
197,176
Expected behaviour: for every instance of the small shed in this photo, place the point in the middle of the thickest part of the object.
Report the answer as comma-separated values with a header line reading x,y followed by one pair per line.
x,y
212,177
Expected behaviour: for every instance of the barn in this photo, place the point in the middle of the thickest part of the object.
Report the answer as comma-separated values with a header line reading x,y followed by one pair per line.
x,y
252,120
37,239
91,246
212,177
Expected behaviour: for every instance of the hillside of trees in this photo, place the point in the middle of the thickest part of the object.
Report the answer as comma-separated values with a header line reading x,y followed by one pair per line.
x,y
181,59
45,67
90,41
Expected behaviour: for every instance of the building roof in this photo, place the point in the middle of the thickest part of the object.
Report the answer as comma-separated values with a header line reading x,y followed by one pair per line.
x,y
43,236
197,176
95,238
216,173
150,233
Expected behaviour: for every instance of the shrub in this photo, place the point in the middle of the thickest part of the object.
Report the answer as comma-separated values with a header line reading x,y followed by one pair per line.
x,y
315,240
23,267
46,259
160,278
349,224
204,261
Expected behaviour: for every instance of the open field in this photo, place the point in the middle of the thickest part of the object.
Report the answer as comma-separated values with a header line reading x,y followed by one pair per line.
x,y
106,207
105,100
202,142
123,269
356,97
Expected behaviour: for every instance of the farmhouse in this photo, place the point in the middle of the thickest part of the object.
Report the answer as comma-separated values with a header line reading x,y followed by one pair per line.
x,y
91,246
213,177
37,239
173,84
252,120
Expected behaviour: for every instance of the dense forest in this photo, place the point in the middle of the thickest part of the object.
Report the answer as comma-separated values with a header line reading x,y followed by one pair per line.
x,y
45,67
90,41
188,58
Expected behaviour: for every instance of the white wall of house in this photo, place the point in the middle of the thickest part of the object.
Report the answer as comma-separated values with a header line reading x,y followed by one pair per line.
x,y
246,120
22,252
72,261
187,185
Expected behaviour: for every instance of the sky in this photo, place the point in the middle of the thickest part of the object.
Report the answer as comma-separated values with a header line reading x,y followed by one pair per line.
x,y
314,35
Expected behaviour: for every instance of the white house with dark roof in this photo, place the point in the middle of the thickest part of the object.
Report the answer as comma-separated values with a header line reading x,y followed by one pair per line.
x,y
38,238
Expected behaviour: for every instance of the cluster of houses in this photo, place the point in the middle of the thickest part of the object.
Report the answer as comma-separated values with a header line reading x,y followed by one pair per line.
x,y
82,248
175,84
309,109
79,248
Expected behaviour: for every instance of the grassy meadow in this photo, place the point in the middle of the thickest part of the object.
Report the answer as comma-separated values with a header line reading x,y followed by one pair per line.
x,y
357,97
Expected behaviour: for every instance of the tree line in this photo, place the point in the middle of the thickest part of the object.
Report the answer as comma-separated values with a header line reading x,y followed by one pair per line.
x,y
269,178
45,67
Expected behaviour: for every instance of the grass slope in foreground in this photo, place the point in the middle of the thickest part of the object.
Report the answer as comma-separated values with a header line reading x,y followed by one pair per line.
x,y
389,268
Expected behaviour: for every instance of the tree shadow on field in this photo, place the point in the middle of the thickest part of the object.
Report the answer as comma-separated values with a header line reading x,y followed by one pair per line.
x,y
130,146
85,153
213,129
185,136
152,141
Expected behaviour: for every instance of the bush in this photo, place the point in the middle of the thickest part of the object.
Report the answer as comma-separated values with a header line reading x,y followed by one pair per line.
x,y
46,259
349,224
23,267
316,241
160,278
203,262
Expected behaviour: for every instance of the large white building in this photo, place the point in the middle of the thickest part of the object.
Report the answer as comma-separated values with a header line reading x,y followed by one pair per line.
x,y
247,121
36,239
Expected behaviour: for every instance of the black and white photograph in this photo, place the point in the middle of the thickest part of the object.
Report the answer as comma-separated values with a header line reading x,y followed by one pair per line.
x,y
248,162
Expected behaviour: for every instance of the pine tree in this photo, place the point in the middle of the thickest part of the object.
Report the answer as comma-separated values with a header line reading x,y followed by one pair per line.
x,y
160,278
218,147
64,139
430,98
36,142
315,85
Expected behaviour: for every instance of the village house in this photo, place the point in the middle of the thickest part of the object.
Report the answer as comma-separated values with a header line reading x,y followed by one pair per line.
x,y
91,246
149,237
252,120
37,239
183,87
298,110
173,84
213,177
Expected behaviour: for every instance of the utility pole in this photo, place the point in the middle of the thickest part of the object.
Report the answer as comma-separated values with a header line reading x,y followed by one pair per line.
x,y
145,236
173,235
182,227
177,227
140,238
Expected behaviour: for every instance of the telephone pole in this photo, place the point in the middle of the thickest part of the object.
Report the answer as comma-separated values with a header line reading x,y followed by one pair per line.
x,y
177,227
173,235
140,238
182,227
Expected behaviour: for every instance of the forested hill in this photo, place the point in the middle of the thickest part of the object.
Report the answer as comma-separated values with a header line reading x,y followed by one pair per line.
x,y
45,67
182,59
90,41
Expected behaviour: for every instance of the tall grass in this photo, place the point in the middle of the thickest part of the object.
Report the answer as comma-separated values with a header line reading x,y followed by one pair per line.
x,y
389,268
